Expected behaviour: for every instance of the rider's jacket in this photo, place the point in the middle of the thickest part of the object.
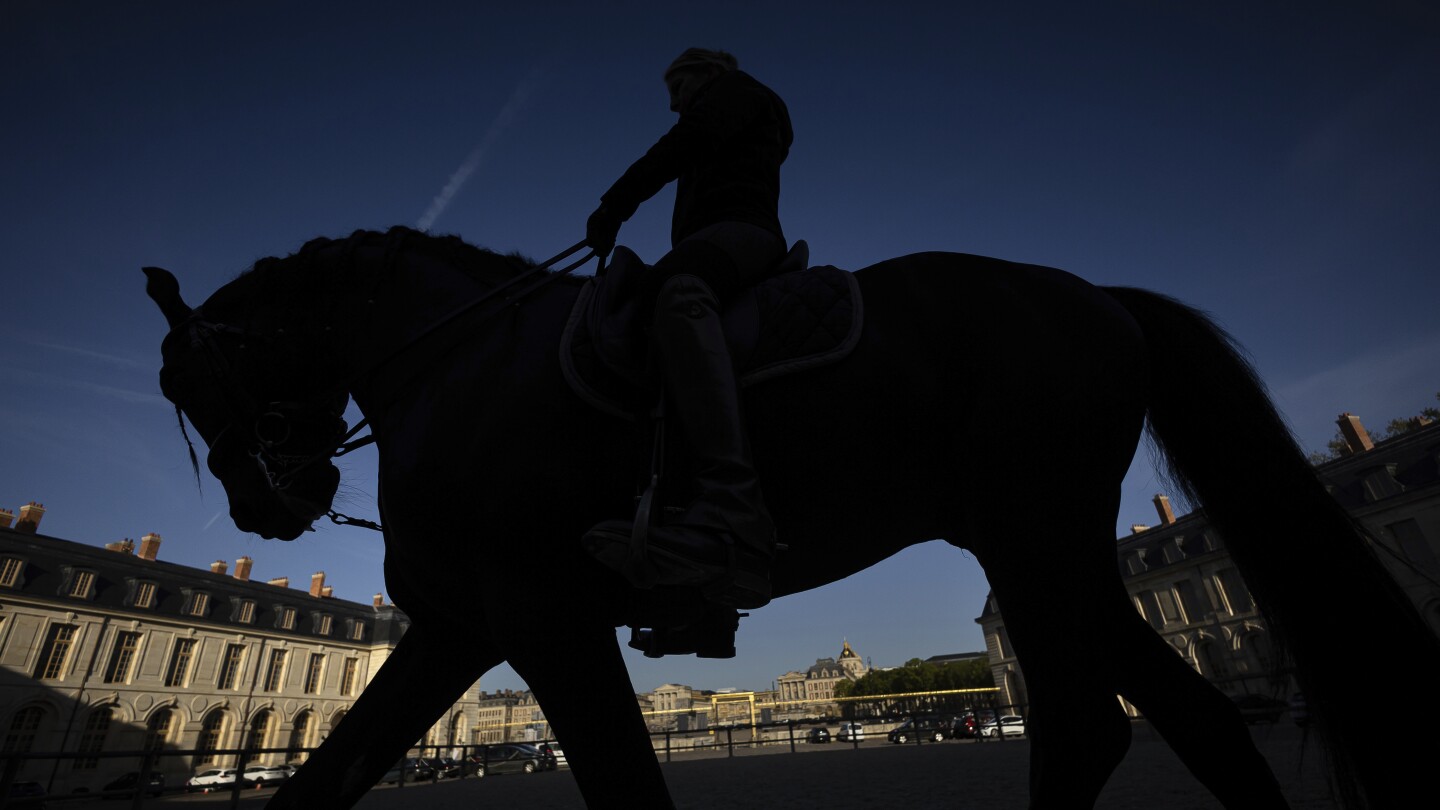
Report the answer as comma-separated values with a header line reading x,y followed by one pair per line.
x,y
726,152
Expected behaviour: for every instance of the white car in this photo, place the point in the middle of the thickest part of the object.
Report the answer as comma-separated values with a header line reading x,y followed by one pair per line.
x,y
1009,725
266,774
851,732
212,778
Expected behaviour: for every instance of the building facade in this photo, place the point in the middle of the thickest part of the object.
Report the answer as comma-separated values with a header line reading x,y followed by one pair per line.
x,y
1182,580
115,649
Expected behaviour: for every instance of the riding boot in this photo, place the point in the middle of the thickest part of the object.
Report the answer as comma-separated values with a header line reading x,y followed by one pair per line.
x,y
725,540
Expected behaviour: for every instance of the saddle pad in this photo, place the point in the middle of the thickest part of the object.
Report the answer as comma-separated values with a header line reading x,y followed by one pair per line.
x,y
787,323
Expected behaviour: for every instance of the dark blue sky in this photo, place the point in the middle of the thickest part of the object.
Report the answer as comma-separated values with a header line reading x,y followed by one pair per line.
x,y
1273,163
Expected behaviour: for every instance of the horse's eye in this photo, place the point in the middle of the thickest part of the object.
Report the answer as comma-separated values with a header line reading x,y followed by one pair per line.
x,y
272,429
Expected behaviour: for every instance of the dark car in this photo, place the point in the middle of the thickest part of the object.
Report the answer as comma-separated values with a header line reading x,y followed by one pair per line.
x,y
410,769
819,734
124,787
444,767
508,758
930,727
1260,708
27,794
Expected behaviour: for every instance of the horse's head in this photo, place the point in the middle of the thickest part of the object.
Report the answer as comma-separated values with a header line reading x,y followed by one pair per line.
x,y
255,400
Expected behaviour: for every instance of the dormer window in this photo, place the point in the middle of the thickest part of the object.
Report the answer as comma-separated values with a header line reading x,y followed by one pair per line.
x,y
243,611
10,568
143,594
82,584
285,618
197,603
357,630
322,624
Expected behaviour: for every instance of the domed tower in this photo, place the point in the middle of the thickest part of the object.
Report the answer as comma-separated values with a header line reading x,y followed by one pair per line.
x,y
852,664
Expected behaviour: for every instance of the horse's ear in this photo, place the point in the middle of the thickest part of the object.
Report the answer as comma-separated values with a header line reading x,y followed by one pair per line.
x,y
164,290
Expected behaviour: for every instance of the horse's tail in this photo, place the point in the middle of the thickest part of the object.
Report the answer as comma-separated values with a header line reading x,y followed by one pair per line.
x,y
1312,572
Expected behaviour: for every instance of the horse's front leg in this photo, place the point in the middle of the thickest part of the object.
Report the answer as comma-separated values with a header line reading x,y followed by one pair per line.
x,y
428,671
593,712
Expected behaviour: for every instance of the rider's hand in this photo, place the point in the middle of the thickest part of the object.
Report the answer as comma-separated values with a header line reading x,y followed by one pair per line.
x,y
601,230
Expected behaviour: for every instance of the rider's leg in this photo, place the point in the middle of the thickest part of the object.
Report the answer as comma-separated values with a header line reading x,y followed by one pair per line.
x,y
725,537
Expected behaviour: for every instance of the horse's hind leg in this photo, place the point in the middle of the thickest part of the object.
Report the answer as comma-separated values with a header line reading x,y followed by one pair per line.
x,y
1049,584
1081,643
1200,724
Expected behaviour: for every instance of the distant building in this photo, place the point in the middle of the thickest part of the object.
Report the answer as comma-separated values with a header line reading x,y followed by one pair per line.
x,y
1184,583
111,649
811,693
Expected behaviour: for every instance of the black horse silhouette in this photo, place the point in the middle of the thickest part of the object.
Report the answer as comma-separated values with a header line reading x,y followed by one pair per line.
x,y
991,404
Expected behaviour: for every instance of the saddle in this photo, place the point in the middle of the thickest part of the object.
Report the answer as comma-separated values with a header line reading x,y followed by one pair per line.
x,y
796,319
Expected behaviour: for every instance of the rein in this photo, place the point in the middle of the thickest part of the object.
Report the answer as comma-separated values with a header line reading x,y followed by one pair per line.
x,y
513,291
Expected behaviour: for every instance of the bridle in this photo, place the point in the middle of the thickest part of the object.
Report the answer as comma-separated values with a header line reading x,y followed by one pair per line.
x,y
272,425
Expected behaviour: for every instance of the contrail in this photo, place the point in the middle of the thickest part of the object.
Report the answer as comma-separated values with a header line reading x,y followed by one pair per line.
x,y
502,121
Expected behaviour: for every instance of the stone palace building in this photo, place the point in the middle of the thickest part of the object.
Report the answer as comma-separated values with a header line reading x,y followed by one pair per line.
x,y
115,649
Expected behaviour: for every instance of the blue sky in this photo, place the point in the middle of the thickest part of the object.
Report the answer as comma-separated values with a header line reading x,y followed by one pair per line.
x,y
1274,164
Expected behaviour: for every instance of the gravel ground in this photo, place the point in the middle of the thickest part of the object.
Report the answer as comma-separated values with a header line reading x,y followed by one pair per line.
x,y
952,774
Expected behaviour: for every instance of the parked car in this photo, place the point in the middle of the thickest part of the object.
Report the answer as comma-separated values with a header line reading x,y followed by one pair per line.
x,y
410,769
851,732
444,767
29,795
264,775
818,734
920,728
124,787
210,779
970,723
507,758
1260,708
1010,725
554,752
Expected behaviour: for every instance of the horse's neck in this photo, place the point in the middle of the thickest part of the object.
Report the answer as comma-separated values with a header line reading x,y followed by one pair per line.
x,y
385,320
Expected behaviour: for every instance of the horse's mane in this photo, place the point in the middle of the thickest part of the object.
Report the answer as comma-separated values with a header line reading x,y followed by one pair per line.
x,y
323,263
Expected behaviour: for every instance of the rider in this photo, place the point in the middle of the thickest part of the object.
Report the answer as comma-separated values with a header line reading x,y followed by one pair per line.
x,y
725,151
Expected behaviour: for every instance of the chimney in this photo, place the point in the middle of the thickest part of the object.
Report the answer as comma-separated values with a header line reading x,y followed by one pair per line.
x,y
126,546
218,567
6,517
281,582
1162,506
30,515
149,546
317,583
327,592
379,600
1357,439
242,569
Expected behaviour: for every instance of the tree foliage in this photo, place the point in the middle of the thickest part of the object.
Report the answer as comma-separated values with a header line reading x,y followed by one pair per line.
x,y
919,676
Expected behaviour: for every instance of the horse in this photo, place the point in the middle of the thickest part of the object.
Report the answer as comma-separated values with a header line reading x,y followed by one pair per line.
x,y
975,383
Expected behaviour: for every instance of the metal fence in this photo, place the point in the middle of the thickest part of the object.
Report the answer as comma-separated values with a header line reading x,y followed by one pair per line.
x,y
729,738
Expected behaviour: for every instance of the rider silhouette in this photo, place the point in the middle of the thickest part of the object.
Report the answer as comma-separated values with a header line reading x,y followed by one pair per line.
x,y
725,151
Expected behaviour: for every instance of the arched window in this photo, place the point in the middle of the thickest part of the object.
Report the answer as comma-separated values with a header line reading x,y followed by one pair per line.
x,y
1209,658
23,728
212,730
300,736
457,729
1259,653
92,738
157,731
260,733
